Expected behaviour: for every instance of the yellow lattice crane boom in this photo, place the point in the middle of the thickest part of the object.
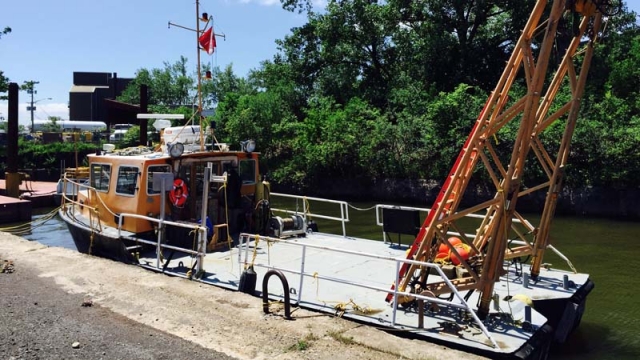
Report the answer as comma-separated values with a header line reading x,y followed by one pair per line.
x,y
533,112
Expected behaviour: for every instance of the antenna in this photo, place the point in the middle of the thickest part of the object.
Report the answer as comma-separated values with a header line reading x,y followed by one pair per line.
x,y
202,43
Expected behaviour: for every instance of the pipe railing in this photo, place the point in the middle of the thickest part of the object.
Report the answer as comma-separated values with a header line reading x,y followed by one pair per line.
x,y
161,223
379,218
245,239
344,209
344,218
202,234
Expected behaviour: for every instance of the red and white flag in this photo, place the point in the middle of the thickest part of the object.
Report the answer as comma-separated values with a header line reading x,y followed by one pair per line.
x,y
208,41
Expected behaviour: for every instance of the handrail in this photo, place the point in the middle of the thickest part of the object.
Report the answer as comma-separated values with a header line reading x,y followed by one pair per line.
x,y
556,251
344,209
379,222
76,187
200,229
476,216
196,227
202,234
463,303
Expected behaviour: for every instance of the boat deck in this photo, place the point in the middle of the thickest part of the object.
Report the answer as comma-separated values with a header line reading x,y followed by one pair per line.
x,y
351,277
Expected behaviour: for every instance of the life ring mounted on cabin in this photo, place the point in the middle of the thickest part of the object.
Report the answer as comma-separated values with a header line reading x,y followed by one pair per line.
x,y
179,193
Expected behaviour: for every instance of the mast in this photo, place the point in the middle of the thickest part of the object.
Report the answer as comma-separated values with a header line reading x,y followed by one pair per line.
x,y
199,33
199,74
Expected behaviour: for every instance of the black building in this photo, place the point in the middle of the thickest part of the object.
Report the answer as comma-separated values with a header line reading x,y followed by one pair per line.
x,y
89,91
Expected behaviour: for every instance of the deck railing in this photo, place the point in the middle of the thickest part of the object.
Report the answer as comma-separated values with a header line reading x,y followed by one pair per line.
x,y
344,209
201,230
246,239
70,205
519,241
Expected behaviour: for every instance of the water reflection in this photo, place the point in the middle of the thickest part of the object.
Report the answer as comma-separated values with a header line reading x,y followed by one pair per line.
x,y
48,229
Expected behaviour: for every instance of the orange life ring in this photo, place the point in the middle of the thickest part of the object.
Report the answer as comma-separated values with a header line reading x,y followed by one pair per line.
x,y
179,193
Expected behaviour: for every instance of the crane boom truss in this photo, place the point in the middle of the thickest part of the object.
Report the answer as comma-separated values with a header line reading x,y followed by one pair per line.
x,y
536,111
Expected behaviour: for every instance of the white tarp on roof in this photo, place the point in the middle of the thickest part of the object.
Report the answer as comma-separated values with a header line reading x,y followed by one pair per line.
x,y
183,134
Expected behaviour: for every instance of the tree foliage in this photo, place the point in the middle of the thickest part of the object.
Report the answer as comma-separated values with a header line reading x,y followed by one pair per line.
x,y
4,85
52,125
131,137
4,81
171,86
371,89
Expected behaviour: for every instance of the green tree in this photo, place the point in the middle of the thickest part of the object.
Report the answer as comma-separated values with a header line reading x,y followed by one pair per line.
x,y
343,53
368,49
4,81
4,126
131,137
170,86
4,85
52,125
605,148
223,82
262,116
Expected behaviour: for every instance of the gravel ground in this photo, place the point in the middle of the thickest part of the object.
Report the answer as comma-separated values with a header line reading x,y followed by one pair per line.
x,y
39,320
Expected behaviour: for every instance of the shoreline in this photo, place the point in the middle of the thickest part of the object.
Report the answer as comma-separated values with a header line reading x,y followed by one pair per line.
x,y
208,317
585,201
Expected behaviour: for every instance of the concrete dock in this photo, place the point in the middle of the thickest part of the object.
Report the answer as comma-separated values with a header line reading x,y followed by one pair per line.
x,y
33,194
228,322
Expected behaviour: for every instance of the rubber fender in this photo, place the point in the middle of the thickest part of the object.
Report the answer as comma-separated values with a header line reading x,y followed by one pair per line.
x,y
248,281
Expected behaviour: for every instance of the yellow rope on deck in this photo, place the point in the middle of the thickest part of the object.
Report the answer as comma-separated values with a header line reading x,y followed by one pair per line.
x,y
342,307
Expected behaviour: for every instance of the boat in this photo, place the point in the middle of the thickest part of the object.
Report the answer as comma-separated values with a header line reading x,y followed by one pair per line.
x,y
473,278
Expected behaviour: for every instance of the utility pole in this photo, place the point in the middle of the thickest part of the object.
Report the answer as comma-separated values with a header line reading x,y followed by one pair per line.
x,y
29,87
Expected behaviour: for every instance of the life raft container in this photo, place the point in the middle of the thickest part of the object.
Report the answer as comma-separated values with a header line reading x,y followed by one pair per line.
x,y
179,193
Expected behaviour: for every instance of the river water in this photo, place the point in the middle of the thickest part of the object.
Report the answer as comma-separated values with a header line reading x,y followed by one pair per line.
x,y
606,249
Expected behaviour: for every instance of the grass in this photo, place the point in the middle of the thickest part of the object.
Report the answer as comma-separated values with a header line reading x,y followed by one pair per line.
x,y
301,345
304,343
337,336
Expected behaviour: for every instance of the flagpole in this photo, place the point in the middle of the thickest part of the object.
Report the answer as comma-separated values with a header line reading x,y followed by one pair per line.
x,y
199,74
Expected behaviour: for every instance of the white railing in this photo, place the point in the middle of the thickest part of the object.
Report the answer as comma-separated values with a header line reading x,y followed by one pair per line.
x,y
379,222
245,239
161,223
202,235
344,209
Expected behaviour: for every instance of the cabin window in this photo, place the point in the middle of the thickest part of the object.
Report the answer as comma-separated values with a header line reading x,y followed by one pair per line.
x,y
150,171
247,171
100,174
127,180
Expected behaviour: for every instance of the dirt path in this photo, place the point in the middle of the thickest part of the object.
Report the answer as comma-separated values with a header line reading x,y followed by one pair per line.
x,y
135,307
